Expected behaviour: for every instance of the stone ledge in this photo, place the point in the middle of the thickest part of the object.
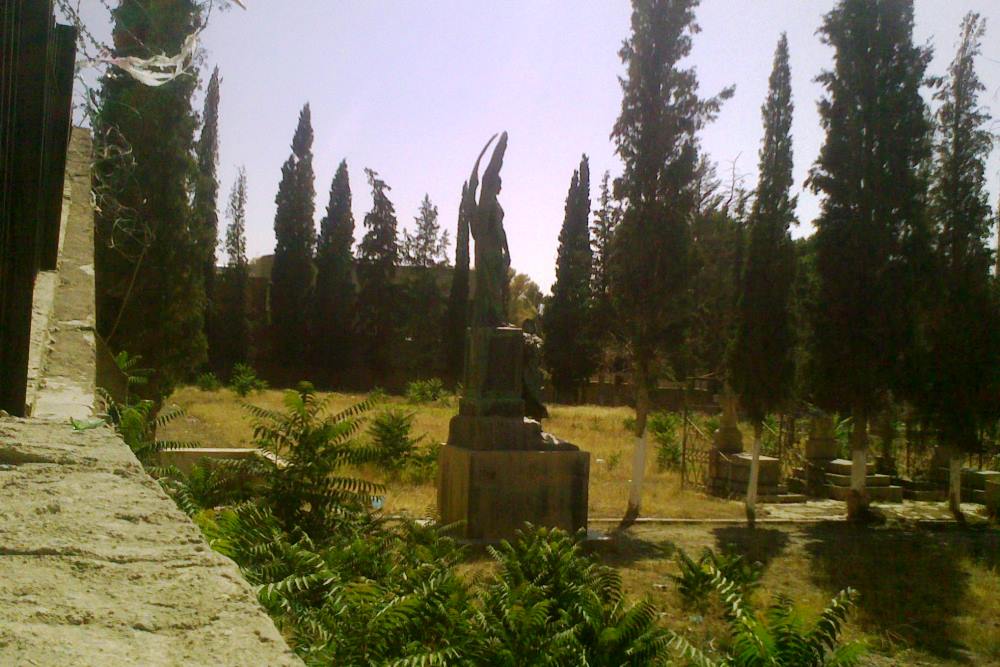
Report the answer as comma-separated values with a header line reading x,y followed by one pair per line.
x,y
98,566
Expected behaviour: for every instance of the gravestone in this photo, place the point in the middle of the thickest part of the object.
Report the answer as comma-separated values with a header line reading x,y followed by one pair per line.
x,y
729,465
499,470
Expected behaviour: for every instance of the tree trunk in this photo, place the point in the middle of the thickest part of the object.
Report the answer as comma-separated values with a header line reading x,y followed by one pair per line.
x,y
857,500
758,428
639,454
955,485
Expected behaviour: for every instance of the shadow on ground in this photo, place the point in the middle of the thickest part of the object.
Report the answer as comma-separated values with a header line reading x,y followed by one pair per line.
x,y
754,544
911,582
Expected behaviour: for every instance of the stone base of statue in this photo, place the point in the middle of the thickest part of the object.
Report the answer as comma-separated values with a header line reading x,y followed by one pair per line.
x,y
729,474
500,470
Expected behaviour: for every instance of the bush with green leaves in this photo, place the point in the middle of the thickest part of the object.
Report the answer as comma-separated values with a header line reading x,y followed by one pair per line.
x,y
244,380
663,426
777,637
425,391
305,449
398,451
207,382
695,580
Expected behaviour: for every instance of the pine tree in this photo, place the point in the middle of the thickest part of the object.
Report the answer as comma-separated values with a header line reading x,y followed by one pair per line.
x,y
457,316
602,230
656,137
206,195
424,303
428,245
149,263
232,305
962,373
761,362
292,272
871,233
334,329
377,293
568,350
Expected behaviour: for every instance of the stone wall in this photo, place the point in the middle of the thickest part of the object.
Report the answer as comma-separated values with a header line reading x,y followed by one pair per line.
x,y
97,564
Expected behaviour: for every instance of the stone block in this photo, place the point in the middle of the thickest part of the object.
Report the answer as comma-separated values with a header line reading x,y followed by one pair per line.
x,y
993,497
977,479
870,480
819,447
882,494
843,466
494,493
186,458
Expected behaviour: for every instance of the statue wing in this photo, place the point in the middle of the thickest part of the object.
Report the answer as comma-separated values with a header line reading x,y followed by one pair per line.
x,y
474,178
491,176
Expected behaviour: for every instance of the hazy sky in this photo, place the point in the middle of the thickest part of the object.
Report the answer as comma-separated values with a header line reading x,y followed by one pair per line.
x,y
413,90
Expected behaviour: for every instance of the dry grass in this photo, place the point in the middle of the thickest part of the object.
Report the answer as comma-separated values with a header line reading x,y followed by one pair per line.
x,y
927,597
216,419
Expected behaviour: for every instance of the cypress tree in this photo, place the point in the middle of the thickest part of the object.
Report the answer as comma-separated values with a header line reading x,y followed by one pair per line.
x,y
292,272
457,316
377,293
232,307
567,349
149,263
206,195
963,361
334,331
606,219
656,137
761,361
871,231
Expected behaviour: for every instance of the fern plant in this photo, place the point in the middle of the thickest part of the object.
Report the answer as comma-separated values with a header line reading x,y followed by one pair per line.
x,y
695,581
551,604
306,449
778,637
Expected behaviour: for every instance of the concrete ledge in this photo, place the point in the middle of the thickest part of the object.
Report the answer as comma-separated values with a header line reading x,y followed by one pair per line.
x,y
99,567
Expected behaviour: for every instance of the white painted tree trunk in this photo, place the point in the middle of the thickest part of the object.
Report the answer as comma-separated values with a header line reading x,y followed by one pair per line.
x,y
754,477
641,446
955,485
638,475
857,504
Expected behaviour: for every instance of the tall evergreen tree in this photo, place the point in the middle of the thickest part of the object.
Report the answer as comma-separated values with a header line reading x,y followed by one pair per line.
x,y
232,308
602,230
294,232
457,316
149,265
334,332
871,232
656,137
428,245
424,302
761,361
377,294
206,195
568,350
962,373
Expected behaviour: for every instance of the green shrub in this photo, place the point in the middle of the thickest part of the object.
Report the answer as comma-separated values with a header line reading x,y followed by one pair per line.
x,y
425,391
779,636
244,380
549,603
306,447
207,382
663,426
390,433
614,460
696,579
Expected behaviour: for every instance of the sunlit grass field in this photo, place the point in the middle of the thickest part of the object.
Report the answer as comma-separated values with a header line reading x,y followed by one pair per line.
x,y
927,597
217,419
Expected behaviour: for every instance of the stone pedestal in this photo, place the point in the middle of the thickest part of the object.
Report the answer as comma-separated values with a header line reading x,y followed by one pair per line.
x,y
729,474
493,493
500,470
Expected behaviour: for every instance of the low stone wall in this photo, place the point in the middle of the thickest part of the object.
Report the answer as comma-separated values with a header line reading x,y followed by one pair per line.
x,y
97,564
